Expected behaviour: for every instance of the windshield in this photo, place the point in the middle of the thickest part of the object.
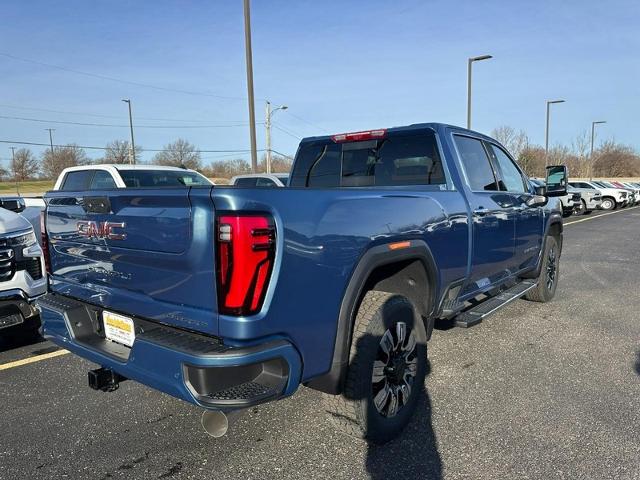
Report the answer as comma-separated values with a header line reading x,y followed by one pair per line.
x,y
162,178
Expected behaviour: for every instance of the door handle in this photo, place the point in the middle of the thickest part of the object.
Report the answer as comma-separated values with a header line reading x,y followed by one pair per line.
x,y
481,211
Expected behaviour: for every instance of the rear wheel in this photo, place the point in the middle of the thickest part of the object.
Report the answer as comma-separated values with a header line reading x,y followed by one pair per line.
x,y
549,271
387,367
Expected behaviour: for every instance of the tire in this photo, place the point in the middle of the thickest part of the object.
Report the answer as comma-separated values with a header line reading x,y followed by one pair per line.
x,y
608,203
366,407
579,210
549,273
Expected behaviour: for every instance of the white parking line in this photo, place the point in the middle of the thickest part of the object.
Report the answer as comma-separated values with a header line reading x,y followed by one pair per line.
x,y
37,358
601,215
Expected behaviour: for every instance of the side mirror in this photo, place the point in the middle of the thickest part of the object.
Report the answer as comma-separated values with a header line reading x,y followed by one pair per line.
x,y
536,201
556,181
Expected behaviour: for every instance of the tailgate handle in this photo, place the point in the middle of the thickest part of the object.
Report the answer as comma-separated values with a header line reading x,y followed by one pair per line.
x,y
96,204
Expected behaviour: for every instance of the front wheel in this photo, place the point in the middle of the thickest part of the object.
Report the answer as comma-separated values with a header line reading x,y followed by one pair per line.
x,y
549,271
387,367
608,203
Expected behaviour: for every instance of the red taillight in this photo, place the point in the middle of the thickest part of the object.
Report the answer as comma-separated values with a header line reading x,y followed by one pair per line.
x,y
245,253
359,136
44,242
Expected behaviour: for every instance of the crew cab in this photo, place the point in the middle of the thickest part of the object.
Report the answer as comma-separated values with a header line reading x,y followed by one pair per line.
x,y
230,297
22,275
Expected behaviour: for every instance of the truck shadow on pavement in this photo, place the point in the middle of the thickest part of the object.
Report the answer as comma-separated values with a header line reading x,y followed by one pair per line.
x,y
13,341
414,454
637,364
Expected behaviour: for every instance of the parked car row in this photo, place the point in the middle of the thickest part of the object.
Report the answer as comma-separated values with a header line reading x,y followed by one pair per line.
x,y
583,197
615,194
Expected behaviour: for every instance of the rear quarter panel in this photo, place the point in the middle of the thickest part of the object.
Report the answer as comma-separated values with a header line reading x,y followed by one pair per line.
x,y
322,233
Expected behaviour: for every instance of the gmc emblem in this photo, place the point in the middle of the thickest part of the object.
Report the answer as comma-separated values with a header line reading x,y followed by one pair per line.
x,y
90,229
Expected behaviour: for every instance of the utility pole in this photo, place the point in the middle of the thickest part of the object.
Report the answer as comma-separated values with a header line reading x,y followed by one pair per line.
x,y
13,165
267,124
132,152
469,63
51,139
593,134
546,132
249,61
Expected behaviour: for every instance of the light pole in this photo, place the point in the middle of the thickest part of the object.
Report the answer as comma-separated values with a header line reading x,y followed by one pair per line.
x,y
51,139
546,132
132,154
469,63
13,166
593,134
267,124
249,61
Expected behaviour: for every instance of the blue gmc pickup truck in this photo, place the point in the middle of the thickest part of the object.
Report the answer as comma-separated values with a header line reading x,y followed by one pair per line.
x,y
229,297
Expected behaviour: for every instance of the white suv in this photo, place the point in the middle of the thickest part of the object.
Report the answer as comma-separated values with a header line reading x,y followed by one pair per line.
x,y
611,197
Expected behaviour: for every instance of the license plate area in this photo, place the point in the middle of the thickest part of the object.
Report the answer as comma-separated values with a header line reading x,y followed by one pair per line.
x,y
118,328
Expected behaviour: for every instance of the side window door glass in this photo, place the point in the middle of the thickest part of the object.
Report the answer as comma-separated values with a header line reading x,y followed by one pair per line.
x,y
511,178
475,163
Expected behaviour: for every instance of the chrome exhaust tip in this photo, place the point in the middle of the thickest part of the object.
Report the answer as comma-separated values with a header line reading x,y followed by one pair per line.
x,y
215,423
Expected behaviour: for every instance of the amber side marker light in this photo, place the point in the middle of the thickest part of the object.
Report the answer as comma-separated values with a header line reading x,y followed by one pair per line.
x,y
399,245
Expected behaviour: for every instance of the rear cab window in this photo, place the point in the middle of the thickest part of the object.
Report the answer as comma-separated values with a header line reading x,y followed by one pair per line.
x,y
77,181
102,180
475,163
162,178
397,159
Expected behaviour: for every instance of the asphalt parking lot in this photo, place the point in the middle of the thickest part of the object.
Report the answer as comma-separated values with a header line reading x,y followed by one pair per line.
x,y
536,391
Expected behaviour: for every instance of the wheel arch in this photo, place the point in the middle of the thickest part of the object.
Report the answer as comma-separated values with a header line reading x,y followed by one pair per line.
x,y
408,271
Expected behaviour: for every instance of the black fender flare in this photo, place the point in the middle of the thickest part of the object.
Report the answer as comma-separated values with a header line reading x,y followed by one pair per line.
x,y
377,256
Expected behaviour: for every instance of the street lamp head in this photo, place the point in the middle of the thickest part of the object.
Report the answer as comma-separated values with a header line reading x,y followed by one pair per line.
x,y
126,100
555,101
283,107
599,121
481,57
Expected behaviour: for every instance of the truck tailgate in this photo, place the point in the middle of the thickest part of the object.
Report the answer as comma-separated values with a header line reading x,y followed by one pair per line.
x,y
143,252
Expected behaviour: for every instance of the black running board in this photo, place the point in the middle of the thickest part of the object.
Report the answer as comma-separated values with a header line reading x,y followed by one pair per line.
x,y
476,314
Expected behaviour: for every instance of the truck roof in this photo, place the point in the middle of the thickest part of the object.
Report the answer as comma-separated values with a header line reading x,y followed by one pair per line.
x,y
405,128
120,166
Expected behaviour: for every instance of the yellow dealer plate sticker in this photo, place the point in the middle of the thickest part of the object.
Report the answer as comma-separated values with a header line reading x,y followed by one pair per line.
x,y
118,328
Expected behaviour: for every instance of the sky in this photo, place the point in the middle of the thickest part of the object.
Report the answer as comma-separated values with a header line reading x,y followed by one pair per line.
x,y
339,66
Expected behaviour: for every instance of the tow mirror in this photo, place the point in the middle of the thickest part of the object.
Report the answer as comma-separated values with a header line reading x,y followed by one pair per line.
x,y
15,204
556,181
536,201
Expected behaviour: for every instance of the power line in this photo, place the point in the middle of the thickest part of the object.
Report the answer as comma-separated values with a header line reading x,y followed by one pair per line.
x,y
120,80
87,147
306,121
286,131
64,122
98,115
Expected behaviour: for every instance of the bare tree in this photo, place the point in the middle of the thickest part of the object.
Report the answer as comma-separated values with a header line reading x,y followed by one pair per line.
x,y
24,165
228,168
61,158
514,141
279,164
532,160
3,173
615,160
179,154
119,151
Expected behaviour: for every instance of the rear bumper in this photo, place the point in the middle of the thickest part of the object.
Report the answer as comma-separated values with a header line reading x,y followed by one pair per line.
x,y
196,368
